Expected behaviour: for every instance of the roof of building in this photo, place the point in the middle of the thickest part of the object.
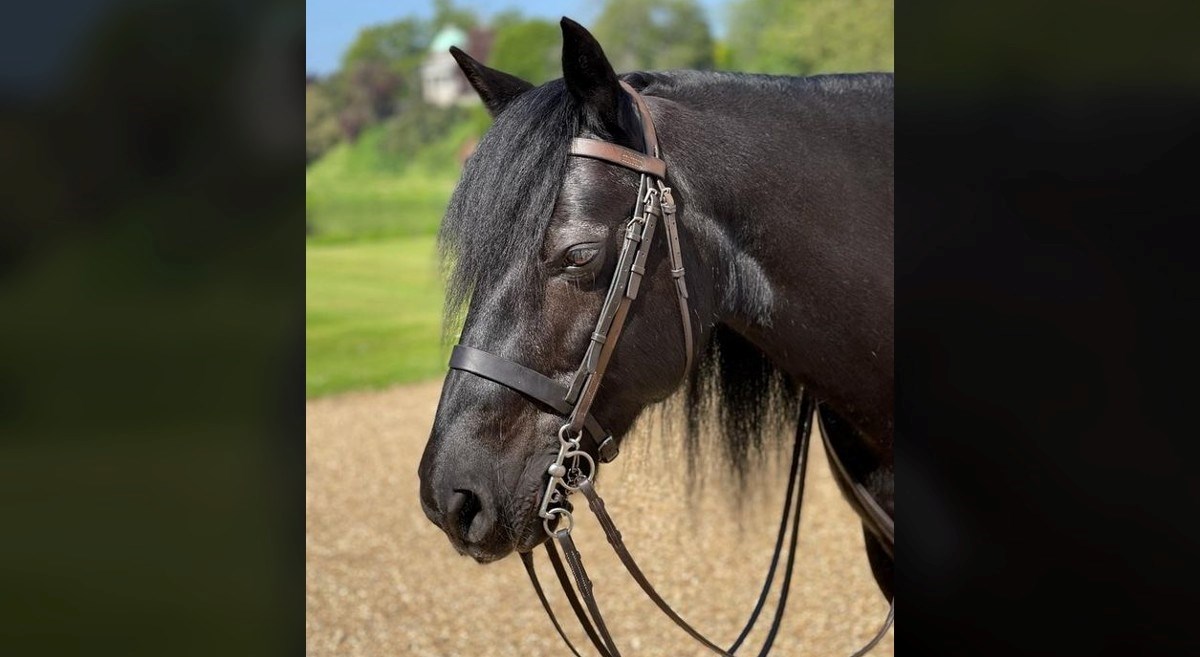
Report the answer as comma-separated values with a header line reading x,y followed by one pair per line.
x,y
449,36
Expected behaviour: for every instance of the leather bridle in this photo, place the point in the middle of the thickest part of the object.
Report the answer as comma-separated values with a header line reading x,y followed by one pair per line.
x,y
583,440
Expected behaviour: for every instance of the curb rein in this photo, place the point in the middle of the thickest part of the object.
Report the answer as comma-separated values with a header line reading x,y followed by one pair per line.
x,y
574,467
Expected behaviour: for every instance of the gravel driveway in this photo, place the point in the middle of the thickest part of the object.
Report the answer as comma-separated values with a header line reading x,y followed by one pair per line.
x,y
382,581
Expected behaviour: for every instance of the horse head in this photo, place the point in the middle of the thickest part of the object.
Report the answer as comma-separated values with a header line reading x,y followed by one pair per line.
x,y
532,237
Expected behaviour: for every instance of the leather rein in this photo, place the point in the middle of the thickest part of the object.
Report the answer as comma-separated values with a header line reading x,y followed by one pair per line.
x,y
583,440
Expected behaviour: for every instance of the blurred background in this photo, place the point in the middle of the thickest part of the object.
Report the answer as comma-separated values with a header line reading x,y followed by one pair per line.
x,y
390,119
151,320
389,123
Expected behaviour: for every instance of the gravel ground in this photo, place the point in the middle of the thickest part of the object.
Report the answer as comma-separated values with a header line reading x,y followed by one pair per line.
x,y
382,580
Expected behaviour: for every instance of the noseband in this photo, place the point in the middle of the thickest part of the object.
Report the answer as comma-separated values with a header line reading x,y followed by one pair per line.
x,y
582,439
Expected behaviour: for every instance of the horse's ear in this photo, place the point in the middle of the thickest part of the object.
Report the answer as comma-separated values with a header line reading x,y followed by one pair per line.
x,y
589,77
496,88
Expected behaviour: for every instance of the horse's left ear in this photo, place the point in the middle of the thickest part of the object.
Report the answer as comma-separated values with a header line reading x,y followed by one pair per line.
x,y
589,77
496,88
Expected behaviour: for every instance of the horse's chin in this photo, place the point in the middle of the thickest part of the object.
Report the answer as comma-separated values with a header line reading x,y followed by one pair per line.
x,y
524,542
531,540
481,556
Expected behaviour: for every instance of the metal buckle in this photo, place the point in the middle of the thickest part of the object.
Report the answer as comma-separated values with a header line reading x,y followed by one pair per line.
x,y
668,201
608,450
648,201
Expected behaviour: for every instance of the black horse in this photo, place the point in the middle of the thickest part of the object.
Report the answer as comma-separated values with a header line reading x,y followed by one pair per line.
x,y
785,205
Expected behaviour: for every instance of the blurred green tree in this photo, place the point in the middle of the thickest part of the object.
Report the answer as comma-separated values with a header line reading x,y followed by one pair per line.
x,y
379,73
365,93
506,18
321,129
420,125
400,45
445,13
655,35
803,37
528,49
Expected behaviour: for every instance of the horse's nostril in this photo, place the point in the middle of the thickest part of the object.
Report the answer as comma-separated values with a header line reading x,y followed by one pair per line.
x,y
461,511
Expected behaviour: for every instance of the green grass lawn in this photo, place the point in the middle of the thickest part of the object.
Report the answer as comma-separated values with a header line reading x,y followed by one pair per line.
x,y
373,295
356,191
372,315
373,206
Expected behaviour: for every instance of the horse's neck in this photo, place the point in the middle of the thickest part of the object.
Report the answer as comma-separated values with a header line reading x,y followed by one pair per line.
x,y
790,204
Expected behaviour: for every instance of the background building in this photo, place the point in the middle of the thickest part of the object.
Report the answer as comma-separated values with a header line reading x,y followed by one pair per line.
x,y
442,83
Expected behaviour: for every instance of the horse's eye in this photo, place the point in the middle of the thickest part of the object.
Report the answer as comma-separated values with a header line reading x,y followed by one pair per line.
x,y
580,255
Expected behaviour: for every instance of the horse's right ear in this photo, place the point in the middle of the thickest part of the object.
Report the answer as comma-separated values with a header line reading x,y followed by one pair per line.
x,y
496,88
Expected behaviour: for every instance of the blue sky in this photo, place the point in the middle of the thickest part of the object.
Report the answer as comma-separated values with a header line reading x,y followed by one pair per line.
x,y
331,25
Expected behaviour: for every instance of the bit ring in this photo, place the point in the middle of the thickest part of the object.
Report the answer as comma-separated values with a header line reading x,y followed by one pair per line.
x,y
559,512
590,472
569,442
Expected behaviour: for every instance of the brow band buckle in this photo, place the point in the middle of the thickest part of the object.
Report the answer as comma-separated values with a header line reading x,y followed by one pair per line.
x,y
668,201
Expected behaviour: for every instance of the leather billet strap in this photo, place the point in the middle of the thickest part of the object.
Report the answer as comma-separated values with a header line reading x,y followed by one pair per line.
x,y
667,202
535,386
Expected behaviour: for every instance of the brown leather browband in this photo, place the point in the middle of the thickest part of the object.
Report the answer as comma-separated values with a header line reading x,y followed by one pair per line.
x,y
619,155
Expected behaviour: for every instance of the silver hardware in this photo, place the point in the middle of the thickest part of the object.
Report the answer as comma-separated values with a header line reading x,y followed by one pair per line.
x,y
565,478
668,201
559,512
608,450
562,436
575,477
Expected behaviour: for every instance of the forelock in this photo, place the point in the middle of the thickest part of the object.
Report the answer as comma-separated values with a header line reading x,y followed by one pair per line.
x,y
500,210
